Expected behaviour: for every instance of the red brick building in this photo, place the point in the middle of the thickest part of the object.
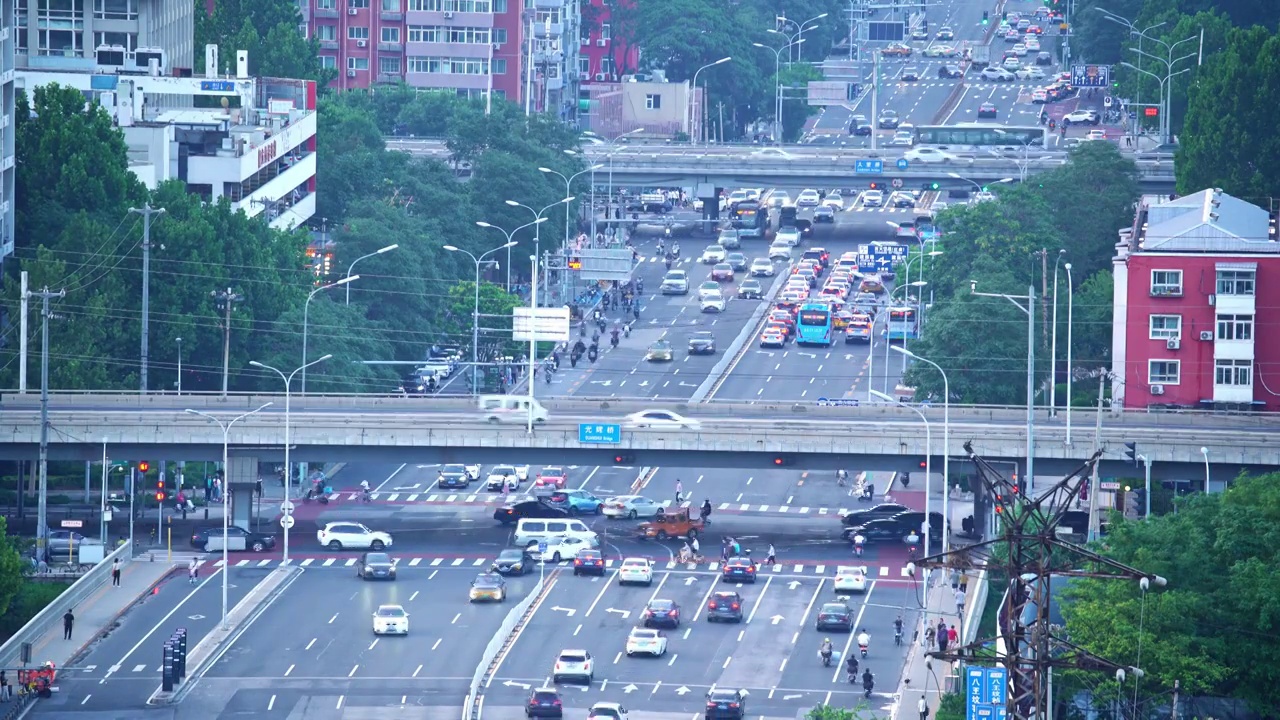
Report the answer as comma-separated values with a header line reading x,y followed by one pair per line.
x,y
1197,306
604,55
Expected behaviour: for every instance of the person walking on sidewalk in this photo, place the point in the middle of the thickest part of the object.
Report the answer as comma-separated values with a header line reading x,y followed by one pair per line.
x,y
193,571
115,573
960,601
953,637
68,622
922,707
5,693
679,491
942,635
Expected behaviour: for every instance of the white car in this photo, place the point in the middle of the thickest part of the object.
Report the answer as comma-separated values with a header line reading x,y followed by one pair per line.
x,y
997,74
508,474
607,711
713,254
473,472
636,570
707,289
565,547
663,419
850,579
772,152
872,198
834,200
390,620
780,250
348,535
1030,72
713,302
575,665
983,196
929,155
808,198
790,236
903,138
631,506
643,641
778,198
763,267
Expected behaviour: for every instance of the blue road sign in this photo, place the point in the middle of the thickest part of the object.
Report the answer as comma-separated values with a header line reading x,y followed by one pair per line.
x,y
986,693
1091,76
599,433
868,167
542,546
902,163
837,402
892,249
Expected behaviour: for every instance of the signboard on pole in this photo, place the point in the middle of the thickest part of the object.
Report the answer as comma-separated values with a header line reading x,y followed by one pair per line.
x,y
986,693
831,92
1091,76
599,433
886,30
544,324
603,264
880,256
868,167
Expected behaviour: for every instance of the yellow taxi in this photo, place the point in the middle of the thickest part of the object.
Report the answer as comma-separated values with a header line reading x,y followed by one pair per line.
x,y
841,320
871,284
488,586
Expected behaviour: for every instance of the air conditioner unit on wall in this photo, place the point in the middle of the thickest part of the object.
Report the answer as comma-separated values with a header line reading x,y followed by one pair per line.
x,y
362,43
351,11
448,14
1173,343
601,77
584,76
1157,389
351,72
1206,334
601,42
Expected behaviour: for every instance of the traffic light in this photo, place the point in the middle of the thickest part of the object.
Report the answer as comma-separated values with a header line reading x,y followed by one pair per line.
x,y
783,460
159,491
875,185
1004,15
624,459
575,263
143,467
1151,112
935,186
985,17
1131,453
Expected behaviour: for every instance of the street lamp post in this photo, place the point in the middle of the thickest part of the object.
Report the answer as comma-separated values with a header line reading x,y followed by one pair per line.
x,y
568,190
1026,155
537,234
352,266
179,341
777,87
702,130
613,148
1030,310
306,316
888,339
1142,35
928,475
784,21
510,242
288,469
1166,83
1053,343
919,300
475,312
1205,452
1071,301
946,446
226,495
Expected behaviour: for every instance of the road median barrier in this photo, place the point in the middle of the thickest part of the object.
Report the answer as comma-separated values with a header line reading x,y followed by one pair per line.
x,y
239,618
646,474
738,348
496,651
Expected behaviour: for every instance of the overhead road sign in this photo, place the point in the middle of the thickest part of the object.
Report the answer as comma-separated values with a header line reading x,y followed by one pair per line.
x,y
986,693
832,92
603,264
886,31
599,433
880,256
543,324
1091,76
868,167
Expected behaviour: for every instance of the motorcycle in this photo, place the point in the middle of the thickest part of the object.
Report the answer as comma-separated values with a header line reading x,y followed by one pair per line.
x,y
857,549
867,686
863,650
613,338
626,330
826,658
675,249
573,359
593,352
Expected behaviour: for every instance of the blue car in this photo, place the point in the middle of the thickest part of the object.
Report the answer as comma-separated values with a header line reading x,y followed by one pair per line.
x,y
577,502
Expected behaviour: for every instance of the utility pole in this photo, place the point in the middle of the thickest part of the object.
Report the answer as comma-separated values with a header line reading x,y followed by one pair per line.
x,y
146,211
42,507
22,346
226,299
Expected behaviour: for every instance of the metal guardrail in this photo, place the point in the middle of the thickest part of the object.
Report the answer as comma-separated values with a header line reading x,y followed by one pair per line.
x,y
48,618
474,706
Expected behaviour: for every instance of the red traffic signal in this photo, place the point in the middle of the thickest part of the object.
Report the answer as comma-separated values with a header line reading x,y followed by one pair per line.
x,y
159,496
623,458
1151,112
144,466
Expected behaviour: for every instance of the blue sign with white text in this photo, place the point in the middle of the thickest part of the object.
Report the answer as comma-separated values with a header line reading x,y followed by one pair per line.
x,y
1091,76
218,85
868,167
986,693
902,163
599,433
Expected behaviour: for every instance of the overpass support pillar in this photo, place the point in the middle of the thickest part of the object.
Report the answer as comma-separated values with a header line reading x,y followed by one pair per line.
x,y
242,482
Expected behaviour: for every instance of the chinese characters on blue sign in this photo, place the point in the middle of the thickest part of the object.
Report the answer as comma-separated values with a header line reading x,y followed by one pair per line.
x,y
880,257
1091,76
599,433
218,85
986,693
868,167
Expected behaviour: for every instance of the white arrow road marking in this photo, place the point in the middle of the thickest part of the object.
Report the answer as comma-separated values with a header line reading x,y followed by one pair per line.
x,y
624,613
195,617
690,580
569,611
682,690
512,683
793,584
630,689
777,619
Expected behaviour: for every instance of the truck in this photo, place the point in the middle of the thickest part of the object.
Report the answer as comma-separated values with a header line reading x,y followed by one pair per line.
x,y
980,56
672,523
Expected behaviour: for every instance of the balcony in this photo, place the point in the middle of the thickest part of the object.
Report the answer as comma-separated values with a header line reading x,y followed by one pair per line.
x,y
389,77
543,30
390,47
328,44
387,16
331,14
1169,291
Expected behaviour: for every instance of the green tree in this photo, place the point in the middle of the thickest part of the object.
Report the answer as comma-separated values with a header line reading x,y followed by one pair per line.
x,y
828,712
1099,178
1227,141
332,328
795,105
950,707
268,30
10,569
496,306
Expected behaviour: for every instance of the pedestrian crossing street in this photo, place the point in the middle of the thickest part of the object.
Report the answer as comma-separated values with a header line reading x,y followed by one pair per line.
x,y
498,499
810,569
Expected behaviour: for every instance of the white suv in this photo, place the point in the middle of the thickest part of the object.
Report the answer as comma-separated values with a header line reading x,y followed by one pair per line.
x,y
344,535
574,664
635,570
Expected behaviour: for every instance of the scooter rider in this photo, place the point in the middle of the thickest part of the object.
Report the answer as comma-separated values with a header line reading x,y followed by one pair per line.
x,y
864,641
851,664
868,683
705,513
825,652
897,630
858,543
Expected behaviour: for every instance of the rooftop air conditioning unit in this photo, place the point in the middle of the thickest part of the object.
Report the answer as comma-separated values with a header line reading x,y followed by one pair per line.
x,y
351,11
601,77
351,72
1206,334
362,43
1157,389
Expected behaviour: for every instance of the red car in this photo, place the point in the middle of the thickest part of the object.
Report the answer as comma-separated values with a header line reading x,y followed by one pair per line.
x,y
552,478
986,110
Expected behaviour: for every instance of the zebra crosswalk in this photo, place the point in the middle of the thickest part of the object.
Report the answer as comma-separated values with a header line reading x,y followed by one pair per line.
x,y
498,499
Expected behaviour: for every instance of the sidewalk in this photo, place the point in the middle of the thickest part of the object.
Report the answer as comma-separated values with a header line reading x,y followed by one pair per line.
x,y
917,679
99,612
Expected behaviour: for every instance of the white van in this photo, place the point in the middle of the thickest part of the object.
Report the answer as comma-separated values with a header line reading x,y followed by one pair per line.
x,y
511,408
530,530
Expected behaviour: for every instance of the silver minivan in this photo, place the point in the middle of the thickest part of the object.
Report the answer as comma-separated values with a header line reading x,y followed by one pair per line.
x,y
530,530
511,408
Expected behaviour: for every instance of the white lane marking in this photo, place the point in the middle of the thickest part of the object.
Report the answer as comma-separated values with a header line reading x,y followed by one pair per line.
x,y
600,594
759,600
158,625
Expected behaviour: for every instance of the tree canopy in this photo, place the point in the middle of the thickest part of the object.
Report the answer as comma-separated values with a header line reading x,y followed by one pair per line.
x,y
981,342
1211,628
268,30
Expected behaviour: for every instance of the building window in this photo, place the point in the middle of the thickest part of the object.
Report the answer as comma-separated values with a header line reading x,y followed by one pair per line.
x,y
605,32
426,5
1166,282
1233,372
326,33
326,4
355,63
115,9
391,6
1235,327
500,36
1164,372
499,66
1166,327
389,65
1236,282
652,102
20,27
390,35
60,26
584,65
606,65
357,32
425,33
358,4
329,61
128,41
469,6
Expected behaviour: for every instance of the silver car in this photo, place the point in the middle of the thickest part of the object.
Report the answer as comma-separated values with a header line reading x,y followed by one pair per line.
x,y
763,267
631,506
675,282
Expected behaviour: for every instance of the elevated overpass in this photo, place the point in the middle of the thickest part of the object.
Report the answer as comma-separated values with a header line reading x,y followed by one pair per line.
x,y
752,166
732,435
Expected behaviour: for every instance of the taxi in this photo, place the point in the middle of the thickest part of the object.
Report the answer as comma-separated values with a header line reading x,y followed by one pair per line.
x,y
773,337
871,284
785,318
488,586
841,320
850,579
739,569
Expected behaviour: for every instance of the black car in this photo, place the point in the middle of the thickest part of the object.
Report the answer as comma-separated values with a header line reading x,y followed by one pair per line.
x,y
589,562
702,343
824,213
750,289
453,476
859,125
726,705
544,702
726,606
888,120
514,561
901,200
376,566
510,514
257,542
878,512
739,569
834,616
886,530
661,613
950,71
914,520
